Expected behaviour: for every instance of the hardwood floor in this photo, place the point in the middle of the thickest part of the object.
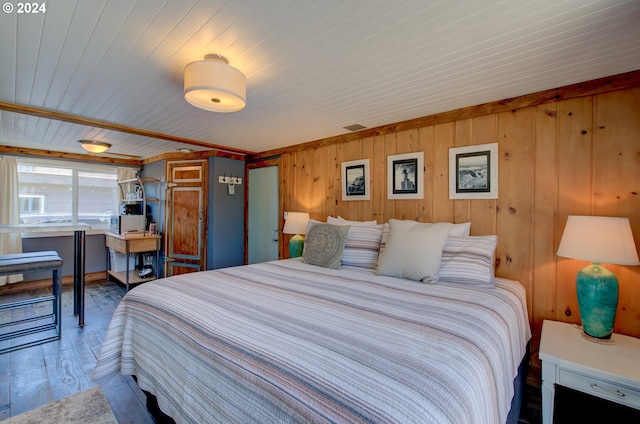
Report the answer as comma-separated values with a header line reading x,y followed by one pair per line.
x,y
34,376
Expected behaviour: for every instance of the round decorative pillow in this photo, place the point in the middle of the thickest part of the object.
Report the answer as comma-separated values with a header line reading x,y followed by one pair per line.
x,y
325,244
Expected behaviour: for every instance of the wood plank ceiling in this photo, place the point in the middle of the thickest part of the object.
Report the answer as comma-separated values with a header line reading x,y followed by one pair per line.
x,y
312,67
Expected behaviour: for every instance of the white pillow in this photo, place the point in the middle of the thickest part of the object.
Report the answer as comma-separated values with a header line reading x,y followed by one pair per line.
x,y
341,221
457,230
469,260
460,230
413,250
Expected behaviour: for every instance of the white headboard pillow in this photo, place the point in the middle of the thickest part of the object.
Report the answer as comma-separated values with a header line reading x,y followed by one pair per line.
x,y
341,221
460,230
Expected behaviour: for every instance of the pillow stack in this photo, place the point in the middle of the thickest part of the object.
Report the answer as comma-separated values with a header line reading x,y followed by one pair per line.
x,y
427,252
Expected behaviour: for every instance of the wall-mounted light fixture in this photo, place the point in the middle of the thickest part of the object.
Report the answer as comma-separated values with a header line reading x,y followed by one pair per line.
x,y
93,146
214,85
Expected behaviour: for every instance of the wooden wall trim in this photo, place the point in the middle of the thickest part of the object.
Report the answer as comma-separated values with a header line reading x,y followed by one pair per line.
x,y
582,89
74,119
193,156
67,280
588,88
20,151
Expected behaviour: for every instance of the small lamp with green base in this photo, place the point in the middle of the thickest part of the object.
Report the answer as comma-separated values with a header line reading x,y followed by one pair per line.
x,y
598,239
296,223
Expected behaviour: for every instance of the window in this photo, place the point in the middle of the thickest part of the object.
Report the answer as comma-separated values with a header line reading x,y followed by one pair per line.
x,y
31,203
55,192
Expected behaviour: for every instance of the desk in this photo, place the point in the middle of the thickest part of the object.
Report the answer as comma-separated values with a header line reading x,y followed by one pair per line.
x,y
133,244
79,229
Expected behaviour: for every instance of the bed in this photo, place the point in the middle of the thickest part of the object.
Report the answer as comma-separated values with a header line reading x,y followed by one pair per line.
x,y
289,342
286,341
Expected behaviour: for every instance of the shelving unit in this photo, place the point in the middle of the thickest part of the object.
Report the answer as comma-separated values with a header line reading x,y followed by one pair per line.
x,y
133,244
141,198
136,243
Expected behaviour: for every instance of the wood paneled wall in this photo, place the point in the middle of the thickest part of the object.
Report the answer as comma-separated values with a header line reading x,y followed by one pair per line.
x,y
579,156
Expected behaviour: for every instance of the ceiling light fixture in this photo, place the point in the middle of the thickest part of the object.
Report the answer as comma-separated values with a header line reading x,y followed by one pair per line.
x,y
93,146
214,85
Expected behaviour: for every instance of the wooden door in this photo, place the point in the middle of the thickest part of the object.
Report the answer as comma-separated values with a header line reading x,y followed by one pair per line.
x,y
186,226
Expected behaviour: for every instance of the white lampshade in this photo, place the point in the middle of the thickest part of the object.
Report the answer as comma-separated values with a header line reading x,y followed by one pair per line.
x,y
212,84
93,146
296,223
599,239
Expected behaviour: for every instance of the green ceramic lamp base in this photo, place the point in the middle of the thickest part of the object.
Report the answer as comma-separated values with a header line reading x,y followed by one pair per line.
x,y
597,290
296,245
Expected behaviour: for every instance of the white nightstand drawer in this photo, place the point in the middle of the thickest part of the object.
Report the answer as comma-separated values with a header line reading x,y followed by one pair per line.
x,y
600,388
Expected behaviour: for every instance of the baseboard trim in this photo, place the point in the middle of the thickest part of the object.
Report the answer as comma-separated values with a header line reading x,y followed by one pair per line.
x,y
46,283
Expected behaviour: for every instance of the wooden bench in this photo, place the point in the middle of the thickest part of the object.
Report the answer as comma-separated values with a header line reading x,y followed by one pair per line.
x,y
19,263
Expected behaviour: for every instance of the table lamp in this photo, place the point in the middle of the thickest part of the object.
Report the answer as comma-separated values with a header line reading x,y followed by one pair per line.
x,y
598,239
296,223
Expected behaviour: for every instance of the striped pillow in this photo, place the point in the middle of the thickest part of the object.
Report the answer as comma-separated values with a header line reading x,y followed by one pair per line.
x,y
361,247
468,260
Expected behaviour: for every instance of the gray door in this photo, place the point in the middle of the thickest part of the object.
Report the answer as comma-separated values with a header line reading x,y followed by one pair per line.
x,y
263,215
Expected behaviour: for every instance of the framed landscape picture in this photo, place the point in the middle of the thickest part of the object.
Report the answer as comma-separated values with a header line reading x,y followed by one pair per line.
x,y
355,180
405,176
473,172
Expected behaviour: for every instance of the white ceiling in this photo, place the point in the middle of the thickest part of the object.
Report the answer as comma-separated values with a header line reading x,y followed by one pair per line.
x,y
312,67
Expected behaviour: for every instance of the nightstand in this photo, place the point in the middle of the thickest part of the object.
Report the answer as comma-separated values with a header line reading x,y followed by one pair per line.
x,y
607,372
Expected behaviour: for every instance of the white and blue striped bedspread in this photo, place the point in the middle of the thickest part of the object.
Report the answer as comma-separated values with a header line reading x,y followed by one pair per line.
x,y
284,341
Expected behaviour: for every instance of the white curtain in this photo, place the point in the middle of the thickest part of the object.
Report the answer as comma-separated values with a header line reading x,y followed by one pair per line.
x,y
9,212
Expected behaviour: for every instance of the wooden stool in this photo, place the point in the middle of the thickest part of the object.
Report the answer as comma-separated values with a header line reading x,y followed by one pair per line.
x,y
19,263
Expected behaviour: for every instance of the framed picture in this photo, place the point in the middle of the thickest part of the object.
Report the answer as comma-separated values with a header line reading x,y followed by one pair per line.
x,y
355,180
405,176
473,172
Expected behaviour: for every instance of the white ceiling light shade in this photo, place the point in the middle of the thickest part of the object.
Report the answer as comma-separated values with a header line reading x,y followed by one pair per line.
x,y
93,146
212,84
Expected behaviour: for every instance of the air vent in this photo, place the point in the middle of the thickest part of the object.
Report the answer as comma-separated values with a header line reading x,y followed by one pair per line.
x,y
354,127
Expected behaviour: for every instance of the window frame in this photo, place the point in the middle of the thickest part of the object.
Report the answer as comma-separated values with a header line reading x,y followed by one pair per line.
x,y
76,169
